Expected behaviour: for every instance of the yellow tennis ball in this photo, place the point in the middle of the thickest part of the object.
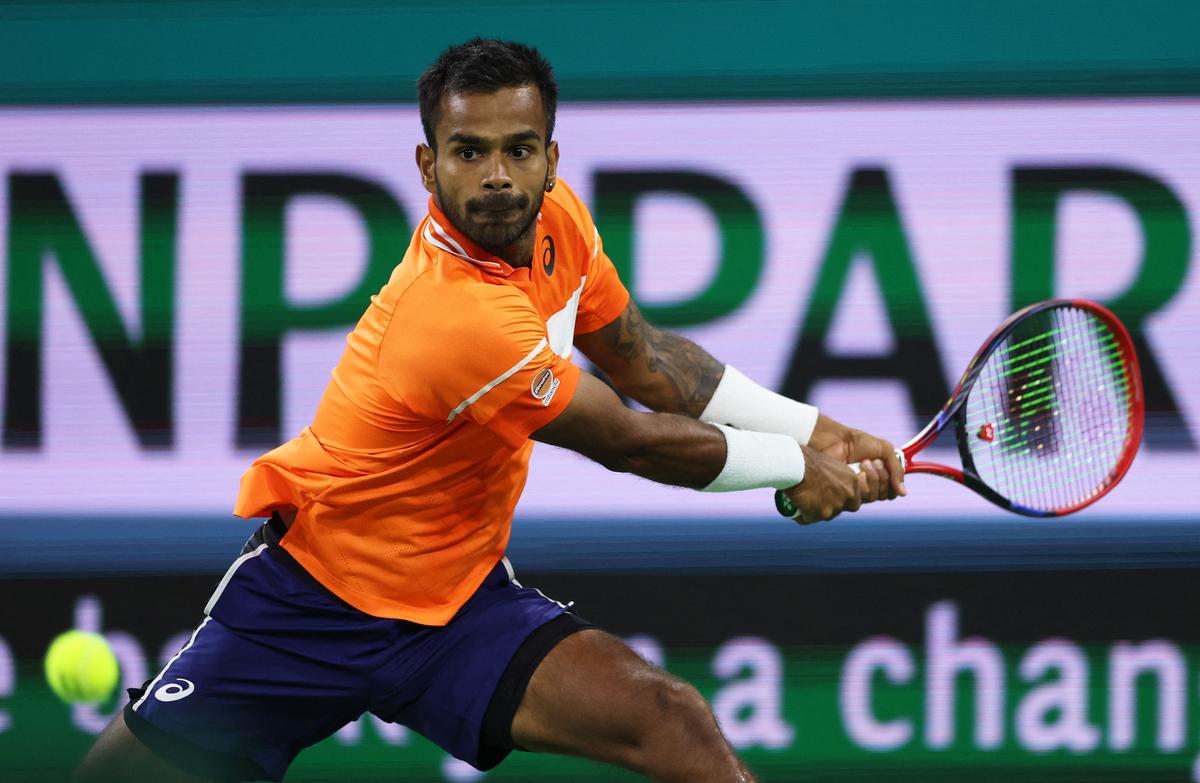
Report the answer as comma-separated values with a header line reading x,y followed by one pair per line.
x,y
81,667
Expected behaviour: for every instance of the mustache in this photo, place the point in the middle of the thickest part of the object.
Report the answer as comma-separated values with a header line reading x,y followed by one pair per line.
x,y
498,201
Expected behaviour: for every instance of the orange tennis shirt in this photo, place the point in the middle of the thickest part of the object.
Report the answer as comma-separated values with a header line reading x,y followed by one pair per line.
x,y
406,480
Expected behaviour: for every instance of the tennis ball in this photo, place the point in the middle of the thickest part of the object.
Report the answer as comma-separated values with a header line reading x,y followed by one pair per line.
x,y
81,667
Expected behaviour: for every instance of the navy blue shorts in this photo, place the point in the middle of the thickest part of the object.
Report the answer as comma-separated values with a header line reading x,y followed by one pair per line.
x,y
279,663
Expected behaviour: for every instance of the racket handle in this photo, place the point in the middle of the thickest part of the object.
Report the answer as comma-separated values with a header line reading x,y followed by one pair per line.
x,y
785,506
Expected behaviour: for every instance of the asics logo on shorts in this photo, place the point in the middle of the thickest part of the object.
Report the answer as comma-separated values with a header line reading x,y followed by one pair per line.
x,y
173,691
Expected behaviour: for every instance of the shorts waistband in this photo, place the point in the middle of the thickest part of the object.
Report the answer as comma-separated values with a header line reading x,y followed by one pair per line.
x,y
271,533
274,529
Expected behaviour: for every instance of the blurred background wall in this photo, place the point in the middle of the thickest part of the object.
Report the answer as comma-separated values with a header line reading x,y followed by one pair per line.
x,y
840,198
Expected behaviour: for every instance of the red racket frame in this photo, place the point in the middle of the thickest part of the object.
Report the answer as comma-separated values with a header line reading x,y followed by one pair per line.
x,y
953,406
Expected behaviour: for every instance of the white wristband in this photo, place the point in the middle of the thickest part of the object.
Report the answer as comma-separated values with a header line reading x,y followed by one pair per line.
x,y
758,460
744,404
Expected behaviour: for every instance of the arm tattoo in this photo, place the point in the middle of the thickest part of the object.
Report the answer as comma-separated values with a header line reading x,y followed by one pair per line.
x,y
664,371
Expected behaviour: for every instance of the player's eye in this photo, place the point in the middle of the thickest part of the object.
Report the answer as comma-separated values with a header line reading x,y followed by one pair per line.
x,y
469,153
520,153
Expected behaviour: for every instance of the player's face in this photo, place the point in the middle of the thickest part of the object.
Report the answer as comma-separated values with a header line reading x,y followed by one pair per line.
x,y
492,167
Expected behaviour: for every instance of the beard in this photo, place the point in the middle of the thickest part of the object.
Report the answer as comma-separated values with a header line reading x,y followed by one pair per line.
x,y
477,217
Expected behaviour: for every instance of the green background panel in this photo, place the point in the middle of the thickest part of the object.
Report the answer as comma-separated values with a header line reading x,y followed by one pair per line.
x,y
188,51
807,626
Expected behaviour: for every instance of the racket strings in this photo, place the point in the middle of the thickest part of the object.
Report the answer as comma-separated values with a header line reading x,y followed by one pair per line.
x,y
1082,412
1056,406
1076,470
1071,475
1039,390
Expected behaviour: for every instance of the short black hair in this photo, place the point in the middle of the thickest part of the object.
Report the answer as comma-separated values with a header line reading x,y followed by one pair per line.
x,y
484,65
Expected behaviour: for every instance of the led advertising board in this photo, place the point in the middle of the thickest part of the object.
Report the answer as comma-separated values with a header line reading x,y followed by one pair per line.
x,y
178,282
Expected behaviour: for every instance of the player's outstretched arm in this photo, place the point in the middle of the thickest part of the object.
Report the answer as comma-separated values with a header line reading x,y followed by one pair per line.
x,y
666,372
681,451
661,447
670,373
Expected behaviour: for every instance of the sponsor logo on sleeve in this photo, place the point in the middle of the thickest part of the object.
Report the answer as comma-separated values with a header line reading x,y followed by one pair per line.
x,y
544,385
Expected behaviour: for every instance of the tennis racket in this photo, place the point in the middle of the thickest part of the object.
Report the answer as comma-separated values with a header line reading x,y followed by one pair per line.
x,y
1048,415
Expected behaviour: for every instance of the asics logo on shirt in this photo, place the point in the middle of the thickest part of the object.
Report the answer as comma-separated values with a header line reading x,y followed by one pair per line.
x,y
174,691
548,254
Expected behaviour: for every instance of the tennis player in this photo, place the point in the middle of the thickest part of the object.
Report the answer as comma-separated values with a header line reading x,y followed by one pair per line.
x,y
380,583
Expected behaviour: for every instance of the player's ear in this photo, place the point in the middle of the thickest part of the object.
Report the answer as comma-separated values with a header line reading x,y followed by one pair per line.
x,y
425,160
552,165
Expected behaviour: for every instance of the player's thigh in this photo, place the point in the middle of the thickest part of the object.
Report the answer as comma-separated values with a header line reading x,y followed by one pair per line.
x,y
118,756
593,696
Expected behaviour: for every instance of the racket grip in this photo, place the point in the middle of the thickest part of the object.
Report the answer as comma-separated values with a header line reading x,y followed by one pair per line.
x,y
785,506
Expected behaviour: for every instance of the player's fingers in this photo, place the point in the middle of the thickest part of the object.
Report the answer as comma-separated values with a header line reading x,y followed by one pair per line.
x,y
876,485
894,470
854,500
820,514
864,480
868,480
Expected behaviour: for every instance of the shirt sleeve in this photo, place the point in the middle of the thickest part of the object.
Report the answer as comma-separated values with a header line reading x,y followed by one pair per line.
x,y
483,357
604,296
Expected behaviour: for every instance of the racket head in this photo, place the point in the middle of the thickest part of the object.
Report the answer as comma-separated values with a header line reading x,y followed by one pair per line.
x,y
1049,415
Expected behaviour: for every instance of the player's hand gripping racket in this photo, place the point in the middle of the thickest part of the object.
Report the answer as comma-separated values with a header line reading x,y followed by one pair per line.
x,y
1048,415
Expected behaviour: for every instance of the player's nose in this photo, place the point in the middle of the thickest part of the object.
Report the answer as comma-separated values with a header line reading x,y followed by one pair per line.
x,y
497,178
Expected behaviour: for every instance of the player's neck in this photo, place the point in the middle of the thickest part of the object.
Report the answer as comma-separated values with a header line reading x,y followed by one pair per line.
x,y
520,253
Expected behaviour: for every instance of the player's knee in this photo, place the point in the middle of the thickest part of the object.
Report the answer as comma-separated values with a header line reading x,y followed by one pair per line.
x,y
679,732
680,709
674,698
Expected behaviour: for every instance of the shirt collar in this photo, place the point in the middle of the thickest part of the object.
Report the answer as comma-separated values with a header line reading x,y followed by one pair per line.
x,y
442,234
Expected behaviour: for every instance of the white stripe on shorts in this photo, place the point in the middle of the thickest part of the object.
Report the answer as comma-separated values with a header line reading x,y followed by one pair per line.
x,y
207,608
229,575
182,650
512,577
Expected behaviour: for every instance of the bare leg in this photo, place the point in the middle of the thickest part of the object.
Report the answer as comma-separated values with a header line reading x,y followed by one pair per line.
x,y
117,756
592,696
